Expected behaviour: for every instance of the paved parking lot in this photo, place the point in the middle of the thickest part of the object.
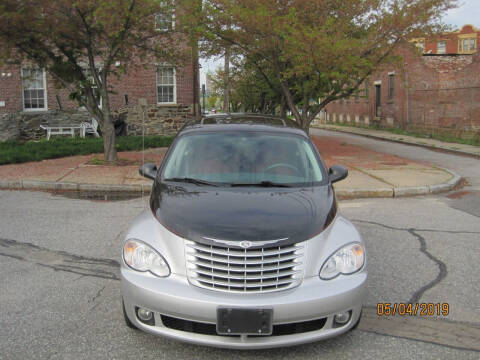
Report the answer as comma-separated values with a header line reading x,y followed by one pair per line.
x,y
61,298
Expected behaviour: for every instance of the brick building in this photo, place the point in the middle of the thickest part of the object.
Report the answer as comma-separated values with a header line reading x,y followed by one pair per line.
x,y
426,93
29,98
463,41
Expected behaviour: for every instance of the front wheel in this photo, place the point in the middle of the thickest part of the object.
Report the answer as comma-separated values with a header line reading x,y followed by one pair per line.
x,y
127,320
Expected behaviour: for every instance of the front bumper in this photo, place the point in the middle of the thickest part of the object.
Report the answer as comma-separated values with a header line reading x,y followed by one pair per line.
x,y
175,297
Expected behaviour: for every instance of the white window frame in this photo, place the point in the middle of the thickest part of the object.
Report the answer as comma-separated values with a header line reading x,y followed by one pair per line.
x,y
469,38
174,84
45,97
444,49
87,69
420,44
162,14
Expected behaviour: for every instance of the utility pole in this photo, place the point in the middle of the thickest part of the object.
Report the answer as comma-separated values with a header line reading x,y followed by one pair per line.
x,y
203,95
226,70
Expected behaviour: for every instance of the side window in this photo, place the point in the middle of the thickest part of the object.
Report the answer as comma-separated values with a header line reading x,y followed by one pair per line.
x,y
166,85
165,19
391,86
89,76
441,47
34,89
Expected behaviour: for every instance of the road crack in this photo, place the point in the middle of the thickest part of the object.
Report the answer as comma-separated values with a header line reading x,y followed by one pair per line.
x,y
60,260
442,267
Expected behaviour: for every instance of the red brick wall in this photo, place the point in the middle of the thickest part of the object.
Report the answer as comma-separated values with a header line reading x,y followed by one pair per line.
x,y
10,89
139,82
443,93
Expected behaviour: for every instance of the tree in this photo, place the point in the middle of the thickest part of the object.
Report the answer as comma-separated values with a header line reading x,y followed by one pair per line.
x,y
249,90
317,51
80,43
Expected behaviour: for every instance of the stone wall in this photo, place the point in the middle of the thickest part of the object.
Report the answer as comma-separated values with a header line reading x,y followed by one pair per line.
x,y
26,126
159,119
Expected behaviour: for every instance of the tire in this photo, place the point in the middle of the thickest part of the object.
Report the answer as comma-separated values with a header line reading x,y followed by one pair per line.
x,y
358,321
127,320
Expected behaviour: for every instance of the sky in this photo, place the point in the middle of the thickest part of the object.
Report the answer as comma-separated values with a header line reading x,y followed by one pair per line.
x,y
468,12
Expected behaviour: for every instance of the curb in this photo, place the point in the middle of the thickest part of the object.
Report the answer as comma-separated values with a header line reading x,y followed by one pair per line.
x,y
401,191
69,186
413,143
387,192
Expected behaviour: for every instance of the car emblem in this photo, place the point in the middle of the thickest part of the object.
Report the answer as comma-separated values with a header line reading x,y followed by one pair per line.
x,y
245,244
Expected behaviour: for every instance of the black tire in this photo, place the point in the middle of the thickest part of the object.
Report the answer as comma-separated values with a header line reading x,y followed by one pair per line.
x,y
127,320
358,321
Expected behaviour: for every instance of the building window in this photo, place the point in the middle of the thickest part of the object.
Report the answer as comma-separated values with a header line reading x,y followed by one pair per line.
x,y
367,89
91,81
378,100
391,86
34,94
165,19
166,85
467,45
420,44
441,47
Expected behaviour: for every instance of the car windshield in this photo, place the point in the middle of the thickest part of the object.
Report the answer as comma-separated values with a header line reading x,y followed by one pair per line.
x,y
243,159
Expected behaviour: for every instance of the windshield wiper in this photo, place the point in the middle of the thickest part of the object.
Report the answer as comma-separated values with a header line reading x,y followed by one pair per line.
x,y
264,183
191,180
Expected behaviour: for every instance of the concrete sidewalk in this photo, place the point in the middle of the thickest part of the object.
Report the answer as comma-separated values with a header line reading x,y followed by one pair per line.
x,y
462,149
371,174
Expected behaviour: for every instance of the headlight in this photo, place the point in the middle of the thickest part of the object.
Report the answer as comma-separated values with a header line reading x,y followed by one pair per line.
x,y
346,260
141,257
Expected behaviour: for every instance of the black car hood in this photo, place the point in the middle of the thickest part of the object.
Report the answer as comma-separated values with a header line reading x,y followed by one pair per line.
x,y
202,213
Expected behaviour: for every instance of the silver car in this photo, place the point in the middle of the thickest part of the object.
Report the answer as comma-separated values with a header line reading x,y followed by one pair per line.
x,y
242,246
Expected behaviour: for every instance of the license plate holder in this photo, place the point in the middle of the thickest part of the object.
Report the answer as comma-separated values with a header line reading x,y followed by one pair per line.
x,y
240,321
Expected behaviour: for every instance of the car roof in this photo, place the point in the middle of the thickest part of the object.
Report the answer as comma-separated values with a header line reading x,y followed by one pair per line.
x,y
242,121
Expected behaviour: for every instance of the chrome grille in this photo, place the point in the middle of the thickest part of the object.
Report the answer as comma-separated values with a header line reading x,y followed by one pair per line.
x,y
235,269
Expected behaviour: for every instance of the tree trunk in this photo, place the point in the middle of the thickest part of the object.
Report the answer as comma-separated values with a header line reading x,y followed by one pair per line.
x,y
109,139
110,152
283,108
226,70
305,120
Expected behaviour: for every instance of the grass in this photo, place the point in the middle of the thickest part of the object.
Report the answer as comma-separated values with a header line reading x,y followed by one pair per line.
x,y
475,141
12,152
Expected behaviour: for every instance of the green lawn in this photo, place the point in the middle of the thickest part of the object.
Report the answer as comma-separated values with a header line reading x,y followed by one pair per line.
x,y
12,152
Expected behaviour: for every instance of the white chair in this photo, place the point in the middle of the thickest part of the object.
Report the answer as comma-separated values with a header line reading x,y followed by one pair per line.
x,y
90,128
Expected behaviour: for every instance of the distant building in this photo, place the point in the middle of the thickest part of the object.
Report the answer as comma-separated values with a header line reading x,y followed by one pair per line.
x,y
463,41
425,93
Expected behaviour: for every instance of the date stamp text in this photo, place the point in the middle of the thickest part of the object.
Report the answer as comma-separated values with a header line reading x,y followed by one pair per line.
x,y
413,309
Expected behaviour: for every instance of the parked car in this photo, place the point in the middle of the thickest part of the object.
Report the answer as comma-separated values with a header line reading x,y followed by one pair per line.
x,y
243,246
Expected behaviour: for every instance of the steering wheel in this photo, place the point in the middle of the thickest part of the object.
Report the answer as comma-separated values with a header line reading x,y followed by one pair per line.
x,y
274,166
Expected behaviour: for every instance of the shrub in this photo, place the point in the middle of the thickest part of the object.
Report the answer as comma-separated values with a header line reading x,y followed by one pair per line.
x,y
12,152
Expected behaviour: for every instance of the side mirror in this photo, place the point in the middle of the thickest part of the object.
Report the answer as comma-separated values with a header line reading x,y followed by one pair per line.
x,y
337,173
148,170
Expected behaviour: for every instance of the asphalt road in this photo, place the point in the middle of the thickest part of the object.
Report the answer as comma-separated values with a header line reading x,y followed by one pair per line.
x,y
60,294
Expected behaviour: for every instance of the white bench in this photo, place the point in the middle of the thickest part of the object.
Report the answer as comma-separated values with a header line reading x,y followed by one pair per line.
x,y
63,130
